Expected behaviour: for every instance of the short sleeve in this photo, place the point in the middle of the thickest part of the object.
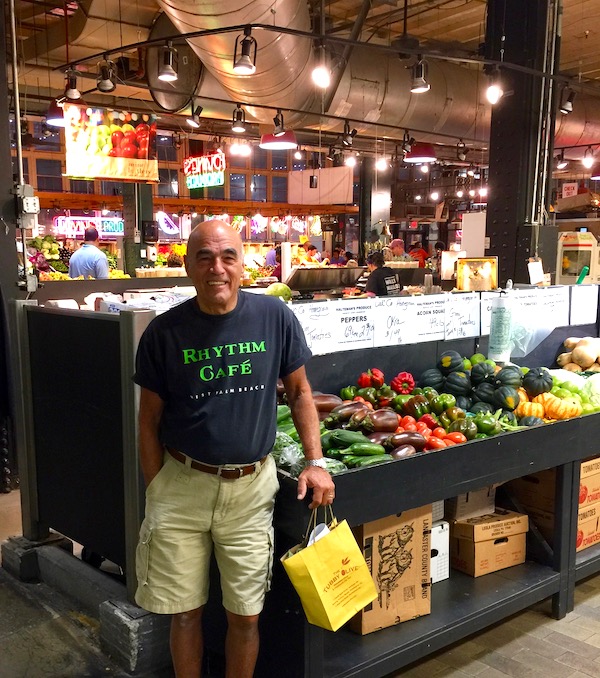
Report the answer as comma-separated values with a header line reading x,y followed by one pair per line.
x,y
149,367
295,351
102,266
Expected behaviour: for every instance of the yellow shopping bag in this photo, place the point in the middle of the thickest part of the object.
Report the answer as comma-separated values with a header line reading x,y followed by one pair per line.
x,y
330,575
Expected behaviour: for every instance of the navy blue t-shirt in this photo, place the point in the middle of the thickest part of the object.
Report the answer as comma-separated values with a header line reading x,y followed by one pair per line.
x,y
217,375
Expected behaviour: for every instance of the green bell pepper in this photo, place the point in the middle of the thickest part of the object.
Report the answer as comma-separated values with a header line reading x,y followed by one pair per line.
x,y
399,401
455,413
442,402
368,393
416,407
487,423
348,392
465,426
430,393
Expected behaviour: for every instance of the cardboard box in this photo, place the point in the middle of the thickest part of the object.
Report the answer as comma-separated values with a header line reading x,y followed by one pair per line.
x,y
437,511
440,551
500,523
483,557
588,525
398,551
578,202
471,504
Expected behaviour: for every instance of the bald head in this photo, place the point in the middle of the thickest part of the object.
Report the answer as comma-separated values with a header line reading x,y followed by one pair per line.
x,y
208,229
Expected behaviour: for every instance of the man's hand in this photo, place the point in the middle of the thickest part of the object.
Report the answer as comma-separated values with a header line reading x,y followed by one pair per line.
x,y
321,483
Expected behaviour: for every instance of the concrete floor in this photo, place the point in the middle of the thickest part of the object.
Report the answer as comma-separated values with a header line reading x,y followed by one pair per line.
x,y
43,634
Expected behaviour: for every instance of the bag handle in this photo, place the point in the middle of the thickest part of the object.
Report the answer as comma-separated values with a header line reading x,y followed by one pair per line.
x,y
312,521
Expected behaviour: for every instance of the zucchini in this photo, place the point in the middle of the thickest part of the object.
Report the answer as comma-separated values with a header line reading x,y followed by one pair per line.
x,y
373,461
366,449
345,438
283,413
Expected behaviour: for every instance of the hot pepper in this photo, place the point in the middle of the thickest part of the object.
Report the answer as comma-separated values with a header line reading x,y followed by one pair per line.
x,y
442,402
364,380
399,401
416,407
403,382
348,392
465,426
377,378
368,393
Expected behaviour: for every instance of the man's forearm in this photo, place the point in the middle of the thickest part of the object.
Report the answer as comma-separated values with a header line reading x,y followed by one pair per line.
x,y
151,455
306,420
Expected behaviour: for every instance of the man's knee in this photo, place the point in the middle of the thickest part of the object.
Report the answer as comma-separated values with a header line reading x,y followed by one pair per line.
x,y
244,623
184,620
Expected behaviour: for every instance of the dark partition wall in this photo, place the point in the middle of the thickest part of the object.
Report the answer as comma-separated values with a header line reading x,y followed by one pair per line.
x,y
76,402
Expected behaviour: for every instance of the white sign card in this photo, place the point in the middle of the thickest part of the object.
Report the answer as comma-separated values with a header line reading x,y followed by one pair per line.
x,y
316,319
393,318
486,311
352,324
542,307
584,304
429,314
462,316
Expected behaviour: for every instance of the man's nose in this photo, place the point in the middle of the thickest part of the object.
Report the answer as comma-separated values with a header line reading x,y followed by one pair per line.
x,y
217,266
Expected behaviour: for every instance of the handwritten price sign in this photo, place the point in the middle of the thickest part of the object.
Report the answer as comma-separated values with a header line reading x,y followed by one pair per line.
x,y
462,317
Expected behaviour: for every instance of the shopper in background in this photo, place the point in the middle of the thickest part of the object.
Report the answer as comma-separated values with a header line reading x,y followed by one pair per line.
x,y
436,259
398,253
382,280
418,253
270,257
211,485
89,261
337,258
311,255
277,270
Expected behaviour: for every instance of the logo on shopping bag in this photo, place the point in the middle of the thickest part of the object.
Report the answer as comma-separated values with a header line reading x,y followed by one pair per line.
x,y
345,561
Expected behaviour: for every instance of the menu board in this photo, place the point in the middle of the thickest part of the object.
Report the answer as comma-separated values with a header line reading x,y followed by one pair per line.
x,y
352,324
316,320
462,316
584,304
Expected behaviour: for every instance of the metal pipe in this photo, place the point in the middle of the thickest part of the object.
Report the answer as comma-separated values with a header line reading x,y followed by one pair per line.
x,y
15,76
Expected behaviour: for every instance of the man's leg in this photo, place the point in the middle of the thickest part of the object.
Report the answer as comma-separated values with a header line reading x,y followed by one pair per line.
x,y
241,645
186,643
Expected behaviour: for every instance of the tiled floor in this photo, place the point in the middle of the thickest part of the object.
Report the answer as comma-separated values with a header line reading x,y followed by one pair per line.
x,y
41,635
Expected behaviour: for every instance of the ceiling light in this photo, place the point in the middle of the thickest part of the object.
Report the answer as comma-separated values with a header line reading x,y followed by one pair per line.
x,y
459,194
483,191
194,119
381,165
245,150
435,196
596,177
278,122
238,120
566,105
350,161
424,168
285,141
71,91
298,154
46,131
407,142
419,77
167,71
348,135
588,158
244,54
560,161
54,115
472,193
494,91
418,197
105,81
331,153
321,76
421,152
461,151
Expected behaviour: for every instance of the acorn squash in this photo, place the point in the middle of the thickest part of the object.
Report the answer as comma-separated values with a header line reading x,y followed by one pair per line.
x,y
485,408
506,397
537,381
433,378
530,421
485,392
450,361
457,383
508,376
481,372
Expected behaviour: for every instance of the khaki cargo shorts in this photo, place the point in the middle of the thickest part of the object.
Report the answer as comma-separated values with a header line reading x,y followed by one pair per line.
x,y
190,513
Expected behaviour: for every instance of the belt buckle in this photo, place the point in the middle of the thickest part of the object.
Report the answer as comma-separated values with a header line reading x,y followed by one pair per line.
x,y
239,469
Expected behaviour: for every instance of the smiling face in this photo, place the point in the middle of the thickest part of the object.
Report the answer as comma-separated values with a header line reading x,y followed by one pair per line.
x,y
214,262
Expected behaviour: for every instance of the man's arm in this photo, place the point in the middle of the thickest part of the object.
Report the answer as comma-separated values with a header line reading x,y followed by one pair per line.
x,y
306,420
102,266
151,451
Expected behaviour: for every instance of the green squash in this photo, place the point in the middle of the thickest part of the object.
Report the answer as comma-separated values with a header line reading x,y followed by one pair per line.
x,y
509,376
464,402
484,393
537,381
433,378
481,372
457,383
530,421
507,398
484,408
450,361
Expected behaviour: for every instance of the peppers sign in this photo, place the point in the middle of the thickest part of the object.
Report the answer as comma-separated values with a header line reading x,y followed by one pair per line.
x,y
205,170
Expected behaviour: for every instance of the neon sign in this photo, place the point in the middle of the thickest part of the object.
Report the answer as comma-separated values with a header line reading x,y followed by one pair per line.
x,y
205,170
72,227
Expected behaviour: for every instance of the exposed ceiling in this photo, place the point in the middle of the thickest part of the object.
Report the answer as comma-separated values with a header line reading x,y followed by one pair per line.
x,y
51,35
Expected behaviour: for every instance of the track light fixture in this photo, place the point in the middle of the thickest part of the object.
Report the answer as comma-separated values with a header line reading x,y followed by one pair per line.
x,y
238,120
461,151
348,135
244,53
566,105
71,91
194,119
167,70
419,77
331,153
561,163
407,142
321,75
588,158
54,114
279,130
106,73
46,131
494,91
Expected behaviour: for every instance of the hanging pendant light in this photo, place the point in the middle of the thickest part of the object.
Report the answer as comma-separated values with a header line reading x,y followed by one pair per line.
x,y
238,120
105,81
419,77
54,115
167,71
194,119
421,152
244,54
71,91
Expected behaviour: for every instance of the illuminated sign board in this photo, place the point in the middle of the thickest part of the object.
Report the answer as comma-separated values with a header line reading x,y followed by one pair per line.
x,y
205,170
74,227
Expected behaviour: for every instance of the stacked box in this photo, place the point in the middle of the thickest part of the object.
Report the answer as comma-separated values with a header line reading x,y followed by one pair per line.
x,y
437,510
536,494
471,504
440,551
397,550
488,543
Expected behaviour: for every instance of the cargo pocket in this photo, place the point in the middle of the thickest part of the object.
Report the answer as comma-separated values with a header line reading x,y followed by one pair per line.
x,y
142,556
269,576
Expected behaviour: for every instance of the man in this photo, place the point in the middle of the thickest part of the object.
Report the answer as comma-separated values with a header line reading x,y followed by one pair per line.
x,y
418,253
398,253
89,261
382,280
208,370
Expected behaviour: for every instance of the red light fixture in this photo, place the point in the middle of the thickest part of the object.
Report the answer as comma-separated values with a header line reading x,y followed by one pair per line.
x,y
421,152
284,141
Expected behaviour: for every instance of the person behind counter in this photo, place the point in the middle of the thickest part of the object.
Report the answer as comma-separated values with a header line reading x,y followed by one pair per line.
x,y
382,280
89,261
418,253
277,270
398,252
337,258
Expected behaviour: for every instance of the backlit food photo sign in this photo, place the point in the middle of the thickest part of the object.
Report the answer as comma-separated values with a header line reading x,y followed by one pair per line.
x,y
205,170
73,227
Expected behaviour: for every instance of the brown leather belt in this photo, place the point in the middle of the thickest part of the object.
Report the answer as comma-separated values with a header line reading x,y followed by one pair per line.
x,y
227,473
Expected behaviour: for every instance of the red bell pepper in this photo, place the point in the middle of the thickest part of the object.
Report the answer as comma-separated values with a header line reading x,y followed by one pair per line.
x,y
430,420
403,383
364,380
377,377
